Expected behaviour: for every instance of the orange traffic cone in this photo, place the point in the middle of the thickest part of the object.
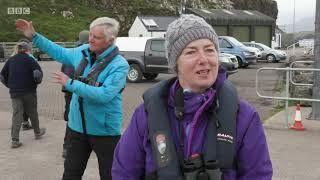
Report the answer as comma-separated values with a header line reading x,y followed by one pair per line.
x,y
297,120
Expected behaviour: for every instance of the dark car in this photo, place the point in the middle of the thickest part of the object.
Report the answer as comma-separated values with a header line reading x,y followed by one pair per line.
x,y
267,53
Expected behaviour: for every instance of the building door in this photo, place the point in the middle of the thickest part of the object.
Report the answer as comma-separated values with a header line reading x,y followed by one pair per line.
x,y
262,34
241,33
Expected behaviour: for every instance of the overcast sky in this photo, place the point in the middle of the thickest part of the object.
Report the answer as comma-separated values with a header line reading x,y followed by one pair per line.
x,y
303,8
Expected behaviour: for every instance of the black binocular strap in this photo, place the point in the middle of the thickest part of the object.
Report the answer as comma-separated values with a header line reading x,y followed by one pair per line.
x,y
95,72
80,100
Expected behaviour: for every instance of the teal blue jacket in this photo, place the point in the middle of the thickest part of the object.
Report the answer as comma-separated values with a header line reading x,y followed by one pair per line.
x,y
102,105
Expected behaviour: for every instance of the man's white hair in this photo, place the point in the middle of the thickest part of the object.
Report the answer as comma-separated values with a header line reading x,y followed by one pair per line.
x,y
111,26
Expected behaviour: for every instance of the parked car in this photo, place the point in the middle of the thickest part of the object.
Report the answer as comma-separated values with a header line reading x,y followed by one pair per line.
x,y
229,62
40,55
230,45
257,52
267,53
146,57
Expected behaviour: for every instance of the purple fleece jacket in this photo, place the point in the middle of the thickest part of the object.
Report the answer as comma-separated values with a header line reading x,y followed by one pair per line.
x,y
133,155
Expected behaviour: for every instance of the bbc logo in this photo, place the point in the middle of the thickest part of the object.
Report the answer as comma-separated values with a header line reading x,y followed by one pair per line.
x,y
18,10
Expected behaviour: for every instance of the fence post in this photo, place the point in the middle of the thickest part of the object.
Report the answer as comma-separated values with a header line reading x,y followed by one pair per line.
x,y
287,100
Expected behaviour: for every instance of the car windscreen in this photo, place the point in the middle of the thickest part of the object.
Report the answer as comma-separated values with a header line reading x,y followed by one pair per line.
x,y
235,41
264,46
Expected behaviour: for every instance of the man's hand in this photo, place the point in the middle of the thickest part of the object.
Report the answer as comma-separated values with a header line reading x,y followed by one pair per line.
x,y
25,27
60,78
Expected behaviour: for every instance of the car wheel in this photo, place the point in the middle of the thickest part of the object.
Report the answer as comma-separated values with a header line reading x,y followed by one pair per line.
x,y
134,74
239,61
150,76
271,58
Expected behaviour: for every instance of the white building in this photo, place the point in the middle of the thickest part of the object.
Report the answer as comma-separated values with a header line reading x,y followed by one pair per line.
x,y
277,38
150,26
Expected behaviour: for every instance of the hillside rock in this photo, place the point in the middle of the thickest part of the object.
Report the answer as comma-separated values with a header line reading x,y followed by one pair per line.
x,y
268,7
61,20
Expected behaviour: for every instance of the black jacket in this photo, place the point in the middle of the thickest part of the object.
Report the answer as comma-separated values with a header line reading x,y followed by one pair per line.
x,y
18,74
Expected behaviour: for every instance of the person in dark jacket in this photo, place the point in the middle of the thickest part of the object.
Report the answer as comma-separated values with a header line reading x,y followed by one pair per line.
x,y
69,71
25,123
193,126
21,74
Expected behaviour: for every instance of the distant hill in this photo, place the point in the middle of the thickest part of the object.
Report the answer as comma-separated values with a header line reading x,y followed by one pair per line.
x,y
62,20
306,24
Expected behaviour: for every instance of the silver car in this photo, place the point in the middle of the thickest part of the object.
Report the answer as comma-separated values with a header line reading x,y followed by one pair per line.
x,y
229,62
267,53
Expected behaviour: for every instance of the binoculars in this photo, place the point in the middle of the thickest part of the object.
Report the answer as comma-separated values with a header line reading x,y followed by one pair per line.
x,y
196,169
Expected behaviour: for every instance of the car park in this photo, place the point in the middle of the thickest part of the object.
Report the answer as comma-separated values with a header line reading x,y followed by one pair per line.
x,y
229,62
146,57
245,56
267,53
257,51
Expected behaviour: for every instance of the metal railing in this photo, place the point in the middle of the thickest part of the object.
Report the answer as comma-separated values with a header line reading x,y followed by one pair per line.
x,y
293,46
291,73
8,47
287,97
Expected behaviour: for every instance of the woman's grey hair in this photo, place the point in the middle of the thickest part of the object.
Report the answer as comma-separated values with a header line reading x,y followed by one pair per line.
x,y
111,26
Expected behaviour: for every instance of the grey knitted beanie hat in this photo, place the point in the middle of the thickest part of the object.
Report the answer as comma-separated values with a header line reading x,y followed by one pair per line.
x,y
183,31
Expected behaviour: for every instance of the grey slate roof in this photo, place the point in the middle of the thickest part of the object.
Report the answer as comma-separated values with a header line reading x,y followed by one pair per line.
x,y
232,17
161,21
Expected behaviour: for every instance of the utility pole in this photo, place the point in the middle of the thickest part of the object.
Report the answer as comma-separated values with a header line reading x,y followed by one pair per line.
x,y
315,114
294,19
183,7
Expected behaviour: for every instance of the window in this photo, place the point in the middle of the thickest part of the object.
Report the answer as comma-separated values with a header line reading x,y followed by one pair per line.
x,y
224,44
149,22
157,45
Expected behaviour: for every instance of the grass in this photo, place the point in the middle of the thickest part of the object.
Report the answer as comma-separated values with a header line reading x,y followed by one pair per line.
x,y
47,18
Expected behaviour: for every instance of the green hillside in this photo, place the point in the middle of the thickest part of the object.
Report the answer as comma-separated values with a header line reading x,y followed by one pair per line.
x,y
47,15
48,19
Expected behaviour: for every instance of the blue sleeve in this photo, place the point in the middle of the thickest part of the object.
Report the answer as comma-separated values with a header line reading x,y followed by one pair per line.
x,y
129,155
111,86
253,160
57,52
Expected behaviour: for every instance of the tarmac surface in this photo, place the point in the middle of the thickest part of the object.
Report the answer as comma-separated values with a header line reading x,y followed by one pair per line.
x,y
295,154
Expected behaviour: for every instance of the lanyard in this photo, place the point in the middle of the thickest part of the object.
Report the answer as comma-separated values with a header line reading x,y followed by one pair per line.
x,y
182,131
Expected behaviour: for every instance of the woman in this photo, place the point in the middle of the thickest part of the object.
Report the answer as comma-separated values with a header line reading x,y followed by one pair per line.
x,y
193,126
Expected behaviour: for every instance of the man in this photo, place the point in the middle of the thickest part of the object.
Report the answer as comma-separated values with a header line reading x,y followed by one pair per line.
x,y
25,123
21,74
95,116
69,71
